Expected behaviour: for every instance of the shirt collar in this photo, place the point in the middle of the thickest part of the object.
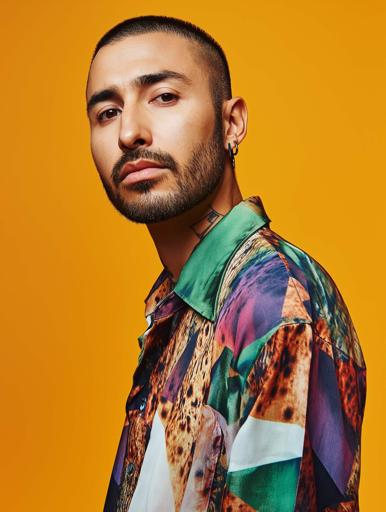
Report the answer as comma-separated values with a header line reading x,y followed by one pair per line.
x,y
201,276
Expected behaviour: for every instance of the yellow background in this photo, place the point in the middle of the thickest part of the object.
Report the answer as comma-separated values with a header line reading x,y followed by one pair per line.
x,y
75,272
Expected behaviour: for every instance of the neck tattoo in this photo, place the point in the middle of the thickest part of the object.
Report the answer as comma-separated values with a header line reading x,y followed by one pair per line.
x,y
206,223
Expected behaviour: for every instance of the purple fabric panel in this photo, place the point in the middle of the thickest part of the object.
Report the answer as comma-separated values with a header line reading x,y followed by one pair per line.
x,y
169,306
254,306
332,438
174,381
120,456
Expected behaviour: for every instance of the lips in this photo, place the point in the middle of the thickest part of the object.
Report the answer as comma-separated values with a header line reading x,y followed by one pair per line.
x,y
130,167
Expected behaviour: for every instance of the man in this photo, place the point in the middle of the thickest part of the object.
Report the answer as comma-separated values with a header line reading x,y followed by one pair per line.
x,y
250,388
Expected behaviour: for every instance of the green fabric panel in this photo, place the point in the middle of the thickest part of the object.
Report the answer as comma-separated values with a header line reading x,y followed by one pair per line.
x,y
292,252
235,385
198,283
249,355
218,393
226,392
267,488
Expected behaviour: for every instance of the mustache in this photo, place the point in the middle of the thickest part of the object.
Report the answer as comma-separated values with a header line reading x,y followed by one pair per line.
x,y
161,157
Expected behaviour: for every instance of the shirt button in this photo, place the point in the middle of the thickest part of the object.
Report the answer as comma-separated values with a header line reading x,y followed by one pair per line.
x,y
130,468
142,404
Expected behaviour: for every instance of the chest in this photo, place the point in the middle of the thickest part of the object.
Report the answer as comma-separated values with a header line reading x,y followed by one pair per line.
x,y
173,434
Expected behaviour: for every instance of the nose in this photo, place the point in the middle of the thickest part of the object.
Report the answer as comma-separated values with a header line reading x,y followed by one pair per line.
x,y
134,129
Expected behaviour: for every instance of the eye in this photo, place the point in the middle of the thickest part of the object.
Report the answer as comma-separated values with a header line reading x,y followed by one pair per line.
x,y
166,97
108,113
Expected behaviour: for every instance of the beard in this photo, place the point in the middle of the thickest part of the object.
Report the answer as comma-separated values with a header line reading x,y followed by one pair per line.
x,y
195,181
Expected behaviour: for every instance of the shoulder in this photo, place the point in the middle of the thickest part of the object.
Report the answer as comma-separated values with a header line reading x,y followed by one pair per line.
x,y
271,282
259,275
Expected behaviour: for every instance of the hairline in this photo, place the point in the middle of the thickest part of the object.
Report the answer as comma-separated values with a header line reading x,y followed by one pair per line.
x,y
201,50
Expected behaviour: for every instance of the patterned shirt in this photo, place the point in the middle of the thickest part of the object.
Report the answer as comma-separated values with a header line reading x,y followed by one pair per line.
x,y
250,388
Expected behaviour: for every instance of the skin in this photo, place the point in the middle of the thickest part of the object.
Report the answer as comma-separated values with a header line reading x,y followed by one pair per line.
x,y
142,123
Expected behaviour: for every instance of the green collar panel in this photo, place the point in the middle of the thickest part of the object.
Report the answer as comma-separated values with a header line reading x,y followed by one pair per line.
x,y
202,273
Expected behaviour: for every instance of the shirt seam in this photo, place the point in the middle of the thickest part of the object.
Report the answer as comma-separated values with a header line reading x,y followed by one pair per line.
x,y
335,347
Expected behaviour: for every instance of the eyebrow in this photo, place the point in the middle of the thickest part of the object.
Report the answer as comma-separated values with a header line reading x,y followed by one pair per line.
x,y
138,82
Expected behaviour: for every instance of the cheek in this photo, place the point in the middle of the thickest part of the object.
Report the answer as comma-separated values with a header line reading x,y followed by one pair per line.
x,y
181,133
103,152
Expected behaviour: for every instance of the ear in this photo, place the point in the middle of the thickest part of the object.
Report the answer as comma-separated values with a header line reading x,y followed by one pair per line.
x,y
235,121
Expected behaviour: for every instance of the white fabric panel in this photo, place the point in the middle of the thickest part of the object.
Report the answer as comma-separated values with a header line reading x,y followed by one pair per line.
x,y
154,492
261,442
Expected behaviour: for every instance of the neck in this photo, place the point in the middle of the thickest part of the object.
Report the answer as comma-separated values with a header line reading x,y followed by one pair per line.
x,y
176,238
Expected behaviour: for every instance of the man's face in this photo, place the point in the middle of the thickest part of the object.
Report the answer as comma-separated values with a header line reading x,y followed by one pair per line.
x,y
154,104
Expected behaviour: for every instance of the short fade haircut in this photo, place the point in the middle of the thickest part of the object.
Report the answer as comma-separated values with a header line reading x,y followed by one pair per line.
x,y
211,51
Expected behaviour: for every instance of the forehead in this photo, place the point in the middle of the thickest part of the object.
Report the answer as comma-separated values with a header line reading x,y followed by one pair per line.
x,y
121,61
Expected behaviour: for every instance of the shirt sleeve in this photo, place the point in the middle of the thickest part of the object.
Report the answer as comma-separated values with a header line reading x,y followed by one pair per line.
x,y
297,448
